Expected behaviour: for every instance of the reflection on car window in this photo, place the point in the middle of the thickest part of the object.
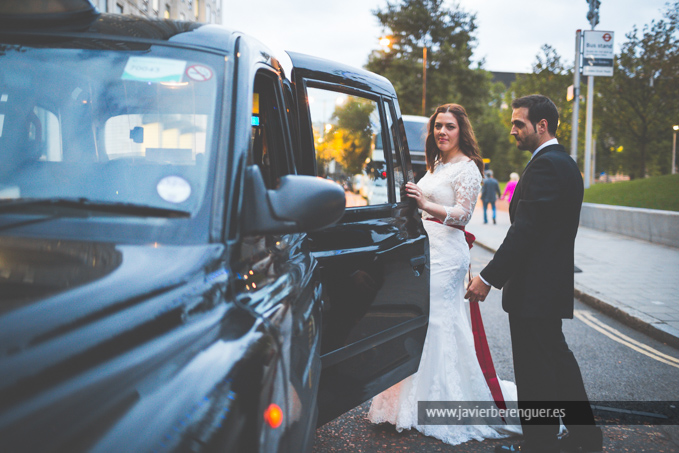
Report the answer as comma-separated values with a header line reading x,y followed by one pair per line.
x,y
348,142
393,132
267,148
109,126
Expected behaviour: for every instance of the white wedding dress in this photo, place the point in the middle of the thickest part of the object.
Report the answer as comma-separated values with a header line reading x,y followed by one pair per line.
x,y
449,369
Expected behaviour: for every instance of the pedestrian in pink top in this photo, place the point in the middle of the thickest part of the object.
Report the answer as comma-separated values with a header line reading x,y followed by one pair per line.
x,y
511,185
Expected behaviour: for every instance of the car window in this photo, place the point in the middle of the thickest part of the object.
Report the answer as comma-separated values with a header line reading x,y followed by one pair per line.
x,y
348,142
111,127
416,133
396,152
268,141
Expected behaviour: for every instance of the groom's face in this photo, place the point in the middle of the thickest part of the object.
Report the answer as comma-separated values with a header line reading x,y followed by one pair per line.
x,y
526,135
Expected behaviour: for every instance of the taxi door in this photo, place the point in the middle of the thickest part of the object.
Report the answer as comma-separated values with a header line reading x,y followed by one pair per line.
x,y
375,260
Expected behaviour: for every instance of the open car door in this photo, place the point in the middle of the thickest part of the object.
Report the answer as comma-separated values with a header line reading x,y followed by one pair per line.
x,y
375,260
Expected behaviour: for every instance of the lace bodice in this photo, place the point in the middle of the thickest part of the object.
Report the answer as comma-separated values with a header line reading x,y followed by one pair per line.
x,y
456,187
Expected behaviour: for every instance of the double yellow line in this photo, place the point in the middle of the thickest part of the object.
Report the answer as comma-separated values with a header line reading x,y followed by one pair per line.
x,y
615,335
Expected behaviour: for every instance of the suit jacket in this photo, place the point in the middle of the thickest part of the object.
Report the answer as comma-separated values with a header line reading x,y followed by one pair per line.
x,y
534,264
490,190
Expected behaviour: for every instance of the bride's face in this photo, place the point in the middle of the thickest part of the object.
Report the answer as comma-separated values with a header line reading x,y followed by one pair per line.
x,y
446,132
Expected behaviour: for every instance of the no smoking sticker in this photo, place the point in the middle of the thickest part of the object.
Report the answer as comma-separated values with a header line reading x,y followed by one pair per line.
x,y
199,73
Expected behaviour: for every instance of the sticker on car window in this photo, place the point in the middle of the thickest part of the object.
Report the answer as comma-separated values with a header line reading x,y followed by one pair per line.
x,y
199,73
149,69
174,189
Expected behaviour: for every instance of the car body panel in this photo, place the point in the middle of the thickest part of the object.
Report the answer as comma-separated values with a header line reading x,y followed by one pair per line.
x,y
122,332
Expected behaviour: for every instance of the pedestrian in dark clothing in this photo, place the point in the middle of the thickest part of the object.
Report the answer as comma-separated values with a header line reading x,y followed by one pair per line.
x,y
489,193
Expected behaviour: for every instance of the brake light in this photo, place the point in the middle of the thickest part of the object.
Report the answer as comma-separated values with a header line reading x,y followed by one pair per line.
x,y
273,415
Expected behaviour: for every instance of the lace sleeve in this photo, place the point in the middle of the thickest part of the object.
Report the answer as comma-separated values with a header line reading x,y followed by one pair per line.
x,y
466,186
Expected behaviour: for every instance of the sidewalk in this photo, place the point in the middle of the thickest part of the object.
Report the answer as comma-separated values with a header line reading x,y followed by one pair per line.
x,y
634,281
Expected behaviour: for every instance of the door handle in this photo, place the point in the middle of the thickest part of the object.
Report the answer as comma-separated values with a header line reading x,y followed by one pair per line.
x,y
418,264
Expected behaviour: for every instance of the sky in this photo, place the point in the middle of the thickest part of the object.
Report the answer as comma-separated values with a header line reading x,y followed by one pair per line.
x,y
509,33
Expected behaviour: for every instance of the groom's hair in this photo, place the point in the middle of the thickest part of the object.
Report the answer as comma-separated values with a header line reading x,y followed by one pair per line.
x,y
539,107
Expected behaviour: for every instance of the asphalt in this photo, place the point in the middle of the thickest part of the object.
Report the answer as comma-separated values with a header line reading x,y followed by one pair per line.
x,y
634,281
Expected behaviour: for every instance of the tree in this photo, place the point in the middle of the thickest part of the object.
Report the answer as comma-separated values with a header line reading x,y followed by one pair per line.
x,y
640,103
550,77
492,134
348,141
448,36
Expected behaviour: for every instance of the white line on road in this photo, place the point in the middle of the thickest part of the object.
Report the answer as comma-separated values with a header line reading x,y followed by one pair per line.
x,y
615,335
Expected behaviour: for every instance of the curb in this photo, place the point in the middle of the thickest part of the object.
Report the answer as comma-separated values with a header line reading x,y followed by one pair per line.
x,y
630,320
653,330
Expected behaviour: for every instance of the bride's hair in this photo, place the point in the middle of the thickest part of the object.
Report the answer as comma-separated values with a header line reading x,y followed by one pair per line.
x,y
467,140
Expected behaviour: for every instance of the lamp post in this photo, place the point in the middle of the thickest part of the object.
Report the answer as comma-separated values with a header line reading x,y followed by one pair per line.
x,y
424,81
674,149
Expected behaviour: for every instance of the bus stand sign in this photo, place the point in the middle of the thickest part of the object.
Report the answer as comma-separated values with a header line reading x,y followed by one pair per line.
x,y
597,53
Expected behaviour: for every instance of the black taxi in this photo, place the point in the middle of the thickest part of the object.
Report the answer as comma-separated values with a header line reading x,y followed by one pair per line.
x,y
182,267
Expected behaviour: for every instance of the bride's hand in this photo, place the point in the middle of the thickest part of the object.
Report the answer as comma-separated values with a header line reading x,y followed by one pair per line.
x,y
414,191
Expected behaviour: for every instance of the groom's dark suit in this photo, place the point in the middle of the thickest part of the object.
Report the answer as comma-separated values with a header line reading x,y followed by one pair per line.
x,y
534,266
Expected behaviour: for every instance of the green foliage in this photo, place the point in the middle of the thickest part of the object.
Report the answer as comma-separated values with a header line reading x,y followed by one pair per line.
x,y
639,104
659,192
634,110
348,143
550,77
448,36
493,136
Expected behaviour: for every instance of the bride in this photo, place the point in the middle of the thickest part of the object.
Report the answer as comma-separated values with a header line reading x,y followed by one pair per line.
x,y
449,369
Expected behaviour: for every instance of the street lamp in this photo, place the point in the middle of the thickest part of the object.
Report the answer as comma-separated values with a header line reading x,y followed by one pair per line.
x,y
674,148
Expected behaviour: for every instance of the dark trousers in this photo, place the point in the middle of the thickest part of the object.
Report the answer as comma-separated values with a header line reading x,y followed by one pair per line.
x,y
547,375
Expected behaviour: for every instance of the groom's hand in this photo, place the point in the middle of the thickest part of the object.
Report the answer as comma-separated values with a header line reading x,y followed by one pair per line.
x,y
477,290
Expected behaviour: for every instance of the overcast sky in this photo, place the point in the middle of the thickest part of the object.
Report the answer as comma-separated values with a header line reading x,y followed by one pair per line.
x,y
509,35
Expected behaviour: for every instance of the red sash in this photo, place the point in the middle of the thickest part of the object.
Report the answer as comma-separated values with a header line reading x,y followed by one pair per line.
x,y
480,340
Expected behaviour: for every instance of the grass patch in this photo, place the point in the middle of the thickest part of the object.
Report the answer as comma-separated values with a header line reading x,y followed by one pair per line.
x,y
659,192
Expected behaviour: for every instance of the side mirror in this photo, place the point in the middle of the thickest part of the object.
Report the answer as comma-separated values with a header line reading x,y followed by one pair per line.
x,y
300,203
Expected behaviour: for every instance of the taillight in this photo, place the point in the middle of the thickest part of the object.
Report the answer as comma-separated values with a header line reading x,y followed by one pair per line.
x,y
273,415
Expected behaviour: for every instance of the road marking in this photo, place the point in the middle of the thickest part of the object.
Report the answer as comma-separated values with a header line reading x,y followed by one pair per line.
x,y
615,335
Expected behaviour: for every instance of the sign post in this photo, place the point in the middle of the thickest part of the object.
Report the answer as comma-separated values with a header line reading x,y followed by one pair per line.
x,y
576,97
597,61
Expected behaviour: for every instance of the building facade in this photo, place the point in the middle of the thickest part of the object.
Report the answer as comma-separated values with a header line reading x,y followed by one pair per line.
x,y
206,11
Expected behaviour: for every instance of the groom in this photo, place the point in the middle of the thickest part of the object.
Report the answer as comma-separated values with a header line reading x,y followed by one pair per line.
x,y
534,266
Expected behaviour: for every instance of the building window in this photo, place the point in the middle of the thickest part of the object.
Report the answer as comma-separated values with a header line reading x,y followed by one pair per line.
x,y
156,5
167,11
119,8
182,16
208,13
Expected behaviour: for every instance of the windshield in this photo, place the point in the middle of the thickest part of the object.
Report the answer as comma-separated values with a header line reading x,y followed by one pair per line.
x,y
106,125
